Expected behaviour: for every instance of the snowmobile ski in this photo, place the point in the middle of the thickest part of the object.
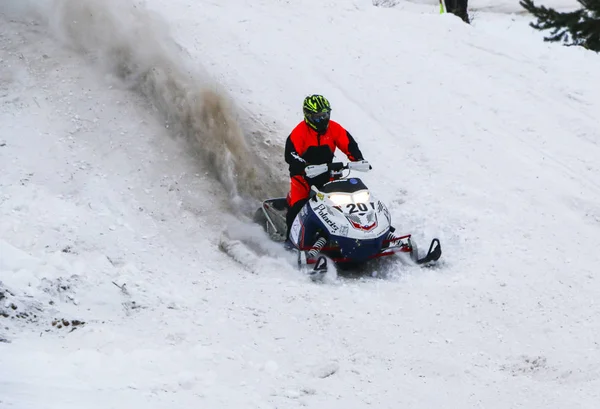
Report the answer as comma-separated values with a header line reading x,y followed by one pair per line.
x,y
319,270
432,254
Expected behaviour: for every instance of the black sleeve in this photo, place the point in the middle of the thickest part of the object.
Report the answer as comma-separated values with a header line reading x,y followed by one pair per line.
x,y
297,164
353,148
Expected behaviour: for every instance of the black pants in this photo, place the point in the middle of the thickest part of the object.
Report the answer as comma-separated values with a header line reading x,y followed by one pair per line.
x,y
458,8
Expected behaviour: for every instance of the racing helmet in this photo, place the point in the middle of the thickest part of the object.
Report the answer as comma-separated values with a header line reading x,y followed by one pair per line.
x,y
317,112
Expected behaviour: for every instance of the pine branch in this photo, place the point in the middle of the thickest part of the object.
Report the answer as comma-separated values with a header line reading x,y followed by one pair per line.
x,y
580,28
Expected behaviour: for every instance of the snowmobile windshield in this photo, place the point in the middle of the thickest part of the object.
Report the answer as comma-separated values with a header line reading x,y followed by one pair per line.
x,y
351,185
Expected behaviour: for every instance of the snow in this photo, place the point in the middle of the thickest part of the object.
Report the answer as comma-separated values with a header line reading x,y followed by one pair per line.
x,y
133,141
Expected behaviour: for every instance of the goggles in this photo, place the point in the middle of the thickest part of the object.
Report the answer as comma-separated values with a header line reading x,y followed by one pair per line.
x,y
318,117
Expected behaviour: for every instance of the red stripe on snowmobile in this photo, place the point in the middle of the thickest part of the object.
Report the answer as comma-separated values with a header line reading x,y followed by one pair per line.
x,y
397,238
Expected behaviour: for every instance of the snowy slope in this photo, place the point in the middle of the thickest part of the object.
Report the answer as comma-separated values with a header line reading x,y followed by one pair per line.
x,y
481,135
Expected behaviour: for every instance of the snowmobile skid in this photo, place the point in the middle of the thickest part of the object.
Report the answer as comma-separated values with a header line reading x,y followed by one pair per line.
x,y
342,222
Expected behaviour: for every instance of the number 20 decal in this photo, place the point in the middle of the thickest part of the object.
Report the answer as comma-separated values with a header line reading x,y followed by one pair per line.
x,y
358,207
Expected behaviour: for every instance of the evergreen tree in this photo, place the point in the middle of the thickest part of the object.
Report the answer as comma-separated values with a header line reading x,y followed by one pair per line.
x,y
580,28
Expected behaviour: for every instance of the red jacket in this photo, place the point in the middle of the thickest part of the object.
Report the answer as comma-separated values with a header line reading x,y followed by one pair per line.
x,y
304,146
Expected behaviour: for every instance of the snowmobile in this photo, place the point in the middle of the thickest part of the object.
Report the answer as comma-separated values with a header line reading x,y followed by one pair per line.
x,y
343,221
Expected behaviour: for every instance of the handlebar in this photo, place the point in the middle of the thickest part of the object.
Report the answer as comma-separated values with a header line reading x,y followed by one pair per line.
x,y
335,167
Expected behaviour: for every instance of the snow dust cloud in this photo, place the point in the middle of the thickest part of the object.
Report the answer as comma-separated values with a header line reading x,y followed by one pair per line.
x,y
133,45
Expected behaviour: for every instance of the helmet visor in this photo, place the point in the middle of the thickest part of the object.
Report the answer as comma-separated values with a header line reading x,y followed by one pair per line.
x,y
319,117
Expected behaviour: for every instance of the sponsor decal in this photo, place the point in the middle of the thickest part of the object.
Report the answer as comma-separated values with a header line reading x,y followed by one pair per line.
x,y
324,215
344,231
298,157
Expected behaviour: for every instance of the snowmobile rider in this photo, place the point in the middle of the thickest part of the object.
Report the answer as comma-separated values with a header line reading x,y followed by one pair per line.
x,y
313,142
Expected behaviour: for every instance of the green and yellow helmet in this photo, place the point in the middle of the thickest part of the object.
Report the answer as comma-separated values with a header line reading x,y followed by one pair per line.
x,y
317,112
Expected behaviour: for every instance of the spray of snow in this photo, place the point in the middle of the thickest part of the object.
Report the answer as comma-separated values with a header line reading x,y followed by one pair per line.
x,y
134,47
